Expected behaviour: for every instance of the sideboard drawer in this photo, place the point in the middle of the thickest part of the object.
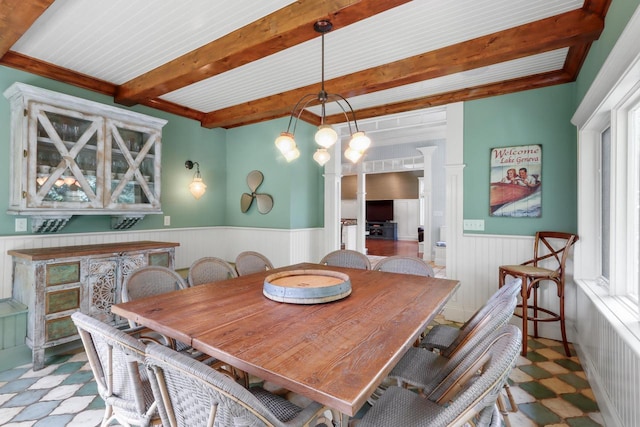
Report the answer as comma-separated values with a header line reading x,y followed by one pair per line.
x,y
59,274
58,301
62,327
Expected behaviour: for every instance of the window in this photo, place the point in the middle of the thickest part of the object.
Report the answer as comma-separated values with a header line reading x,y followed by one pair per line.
x,y
605,200
609,191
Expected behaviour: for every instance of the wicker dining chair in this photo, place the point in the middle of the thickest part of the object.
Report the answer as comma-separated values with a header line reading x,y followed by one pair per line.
x,y
467,395
210,269
116,360
347,258
422,368
148,281
249,262
406,265
192,394
441,336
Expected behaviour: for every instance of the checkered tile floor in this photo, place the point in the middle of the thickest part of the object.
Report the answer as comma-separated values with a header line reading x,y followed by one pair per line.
x,y
62,394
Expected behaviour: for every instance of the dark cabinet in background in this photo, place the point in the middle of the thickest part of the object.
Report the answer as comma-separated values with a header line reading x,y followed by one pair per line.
x,y
382,230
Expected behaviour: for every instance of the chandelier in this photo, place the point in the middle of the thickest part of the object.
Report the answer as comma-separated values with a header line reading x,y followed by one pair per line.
x,y
326,136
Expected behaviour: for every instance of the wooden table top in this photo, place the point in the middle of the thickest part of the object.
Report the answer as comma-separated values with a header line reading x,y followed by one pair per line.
x,y
335,353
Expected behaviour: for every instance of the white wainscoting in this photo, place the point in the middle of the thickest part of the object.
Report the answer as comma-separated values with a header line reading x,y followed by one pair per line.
x,y
609,350
282,247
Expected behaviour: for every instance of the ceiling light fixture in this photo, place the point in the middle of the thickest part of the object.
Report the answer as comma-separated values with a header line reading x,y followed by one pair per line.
x,y
326,136
197,186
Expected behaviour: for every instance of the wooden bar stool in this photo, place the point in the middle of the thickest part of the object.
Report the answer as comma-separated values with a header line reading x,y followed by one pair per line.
x,y
550,249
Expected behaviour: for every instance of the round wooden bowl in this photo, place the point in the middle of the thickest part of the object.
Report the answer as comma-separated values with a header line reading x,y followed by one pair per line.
x,y
307,286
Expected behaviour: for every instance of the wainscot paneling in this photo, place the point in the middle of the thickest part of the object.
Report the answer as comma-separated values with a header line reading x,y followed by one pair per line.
x,y
609,350
282,247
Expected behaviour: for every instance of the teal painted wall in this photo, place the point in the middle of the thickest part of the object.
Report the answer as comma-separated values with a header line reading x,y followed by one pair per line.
x,y
297,188
531,117
618,15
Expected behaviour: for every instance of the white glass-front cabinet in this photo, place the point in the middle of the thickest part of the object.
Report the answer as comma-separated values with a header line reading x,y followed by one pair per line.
x,y
71,157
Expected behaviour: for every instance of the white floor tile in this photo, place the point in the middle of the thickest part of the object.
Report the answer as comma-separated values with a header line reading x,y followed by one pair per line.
x,y
73,405
62,392
47,370
87,418
48,382
8,413
5,397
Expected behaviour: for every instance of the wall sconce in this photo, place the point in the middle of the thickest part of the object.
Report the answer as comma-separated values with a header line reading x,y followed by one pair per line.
x,y
197,186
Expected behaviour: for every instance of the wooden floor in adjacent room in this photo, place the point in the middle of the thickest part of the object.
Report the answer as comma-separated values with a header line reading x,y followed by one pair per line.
x,y
382,247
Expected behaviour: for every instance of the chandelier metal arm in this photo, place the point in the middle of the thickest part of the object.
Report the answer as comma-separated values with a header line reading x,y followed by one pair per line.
x,y
307,100
326,136
337,98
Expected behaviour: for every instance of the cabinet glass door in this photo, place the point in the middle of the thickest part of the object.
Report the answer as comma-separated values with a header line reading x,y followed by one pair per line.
x,y
133,175
66,167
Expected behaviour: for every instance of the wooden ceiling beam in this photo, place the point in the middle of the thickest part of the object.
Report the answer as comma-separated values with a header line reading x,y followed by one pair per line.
x,y
46,69
16,16
277,31
468,94
575,27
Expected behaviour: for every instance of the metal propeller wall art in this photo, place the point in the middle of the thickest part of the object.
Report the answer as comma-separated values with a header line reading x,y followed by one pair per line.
x,y
264,201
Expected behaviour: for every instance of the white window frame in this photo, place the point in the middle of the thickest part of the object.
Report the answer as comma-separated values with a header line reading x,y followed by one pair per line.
x,y
612,99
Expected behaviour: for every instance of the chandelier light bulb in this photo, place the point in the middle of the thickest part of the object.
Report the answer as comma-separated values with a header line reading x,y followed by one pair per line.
x,y
285,142
353,155
326,136
321,156
291,155
359,142
197,187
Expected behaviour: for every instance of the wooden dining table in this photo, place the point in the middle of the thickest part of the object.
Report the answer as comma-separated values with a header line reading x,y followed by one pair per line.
x,y
335,353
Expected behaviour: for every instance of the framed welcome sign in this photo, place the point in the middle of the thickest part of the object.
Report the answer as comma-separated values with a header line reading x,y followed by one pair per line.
x,y
516,181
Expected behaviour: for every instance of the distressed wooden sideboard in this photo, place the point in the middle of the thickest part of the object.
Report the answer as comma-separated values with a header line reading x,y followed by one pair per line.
x,y
56,282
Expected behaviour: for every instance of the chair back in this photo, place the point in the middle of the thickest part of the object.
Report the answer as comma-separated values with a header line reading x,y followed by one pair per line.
x,y
406,265
151,280
472,388
511,289
116,362
191,393
347,258
552,247
465,395
490,318
210,269
249,262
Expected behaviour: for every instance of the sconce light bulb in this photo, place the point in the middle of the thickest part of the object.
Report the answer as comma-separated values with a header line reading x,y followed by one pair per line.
x,y
197,187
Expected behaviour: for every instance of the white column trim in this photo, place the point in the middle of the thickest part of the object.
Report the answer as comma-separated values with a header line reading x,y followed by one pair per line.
x,y
455,186
427,200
